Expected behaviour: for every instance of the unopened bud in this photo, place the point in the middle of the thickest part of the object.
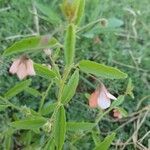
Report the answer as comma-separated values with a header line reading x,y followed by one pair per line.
x,y
48,52
47,126
26,110
104,22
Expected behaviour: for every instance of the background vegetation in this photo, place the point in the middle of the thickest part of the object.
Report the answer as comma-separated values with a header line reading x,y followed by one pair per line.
x,y
122,42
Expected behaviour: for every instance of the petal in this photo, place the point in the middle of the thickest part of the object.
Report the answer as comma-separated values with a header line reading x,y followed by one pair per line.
x,y
103,101
30,68
109,95
93,99
22,71
14,67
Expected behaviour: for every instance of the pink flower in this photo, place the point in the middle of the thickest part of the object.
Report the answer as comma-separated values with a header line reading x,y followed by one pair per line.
x,y
101,98
22,67
117,114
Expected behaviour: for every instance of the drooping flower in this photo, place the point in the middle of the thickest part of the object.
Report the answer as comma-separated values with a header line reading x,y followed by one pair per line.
x,y
23,67
117,114
101,98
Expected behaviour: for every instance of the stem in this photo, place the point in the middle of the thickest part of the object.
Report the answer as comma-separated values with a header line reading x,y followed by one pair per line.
x,y
44,96
89,25
99,117
9,103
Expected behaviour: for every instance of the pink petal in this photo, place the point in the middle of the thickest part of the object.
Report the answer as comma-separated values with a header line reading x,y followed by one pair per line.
x,y
93,99
14,67
22,71
30,68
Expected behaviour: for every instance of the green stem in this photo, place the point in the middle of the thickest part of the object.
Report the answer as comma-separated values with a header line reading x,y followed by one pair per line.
x,y
89,25
99,117
9,103
44,96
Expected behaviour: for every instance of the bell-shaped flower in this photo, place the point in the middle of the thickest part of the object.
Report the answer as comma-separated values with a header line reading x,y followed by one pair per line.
x,y
101,98
23,67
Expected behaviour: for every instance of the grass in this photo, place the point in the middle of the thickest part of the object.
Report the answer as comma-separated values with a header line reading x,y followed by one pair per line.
x,y
125,45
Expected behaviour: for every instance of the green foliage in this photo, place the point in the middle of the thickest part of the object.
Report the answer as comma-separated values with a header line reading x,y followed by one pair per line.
x,y
48,108
3,107
80,11
79,126
32,123
60,128
44,71
19,87
70,87
130,87
69,45
101,70
104,145
30,45
119,101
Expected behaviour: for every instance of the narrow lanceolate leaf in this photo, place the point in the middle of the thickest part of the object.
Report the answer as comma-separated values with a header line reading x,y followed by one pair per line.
x,y
60,128
106,143
44,71
101,70
69,46
34,123
70,88
33,91
118,102
31,44
50,145
21,86
80,11
79,126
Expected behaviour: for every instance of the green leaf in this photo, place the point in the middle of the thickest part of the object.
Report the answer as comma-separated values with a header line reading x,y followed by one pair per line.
x,y
60,128
52,16
8,142
33,92
96,137
48,108
50,145
19,87
106,143
80,11
114,22
44,71
69,45
70,88
30,44
32,123
79,126
101,70
123,112
118,102
3,107
130,87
